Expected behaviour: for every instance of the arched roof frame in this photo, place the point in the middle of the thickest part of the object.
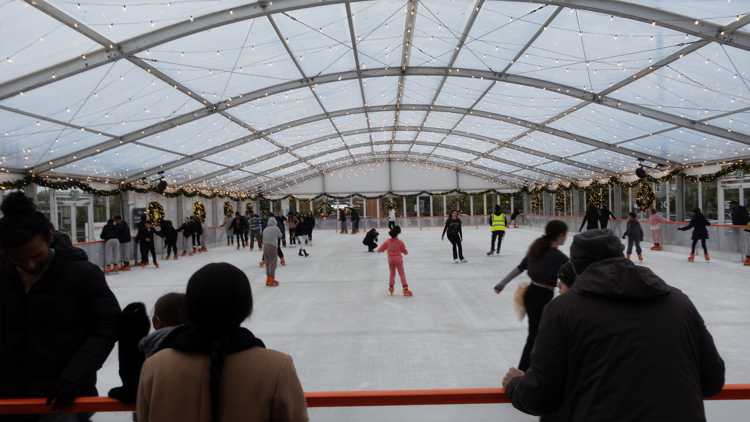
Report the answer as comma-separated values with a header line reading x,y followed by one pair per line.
x,y
708,31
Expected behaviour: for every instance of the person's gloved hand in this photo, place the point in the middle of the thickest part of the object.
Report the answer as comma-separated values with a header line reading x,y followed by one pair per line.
x,y
63,394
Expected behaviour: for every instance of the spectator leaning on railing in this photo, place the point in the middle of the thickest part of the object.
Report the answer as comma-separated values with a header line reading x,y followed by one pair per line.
x,y
739,214
620,345
59,318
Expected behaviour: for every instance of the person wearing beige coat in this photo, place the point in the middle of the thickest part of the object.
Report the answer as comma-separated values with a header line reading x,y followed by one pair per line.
x,y
216,370
257,385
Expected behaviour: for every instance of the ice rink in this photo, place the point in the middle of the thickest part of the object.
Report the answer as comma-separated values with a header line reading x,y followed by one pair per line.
x,y
332,313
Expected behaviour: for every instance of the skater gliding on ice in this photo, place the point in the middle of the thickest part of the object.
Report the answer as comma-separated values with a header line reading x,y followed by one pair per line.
x,y
634,233
498,222
391,218
395,248
455,236
124,233
591,217
110,235
700,224
301,232
655,220
271,238
146,239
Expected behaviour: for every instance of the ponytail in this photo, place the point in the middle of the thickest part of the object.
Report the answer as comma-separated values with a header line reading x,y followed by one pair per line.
x,y
552,231
218,355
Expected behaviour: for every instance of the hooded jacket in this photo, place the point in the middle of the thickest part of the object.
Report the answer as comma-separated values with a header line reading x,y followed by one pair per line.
x,y
169,233
238,225
633,230
622,345
740,216
271,234
187,229
109,232
63,328
124,233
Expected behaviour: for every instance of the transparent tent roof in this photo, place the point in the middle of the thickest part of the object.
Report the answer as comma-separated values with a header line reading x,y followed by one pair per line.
x,y
236,96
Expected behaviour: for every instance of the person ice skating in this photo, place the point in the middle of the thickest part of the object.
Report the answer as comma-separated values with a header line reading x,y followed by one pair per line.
x,y
513,217
391,218
146,239
227,224
125,243
655,220
370,240
604,216
342,221
217,370
248,215
111,235
281,224
700,225
271,236
355,220
197,233
455,236
747,244
187,231
292,221
255,228
301,232
58,318
169,233
497,222
311,225
238,228
591,217
204,235
634,233
395,248
542,262
621,345
740,216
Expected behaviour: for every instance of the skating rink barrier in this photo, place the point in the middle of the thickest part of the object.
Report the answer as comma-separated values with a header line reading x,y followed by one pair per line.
x,y
330,399
725,241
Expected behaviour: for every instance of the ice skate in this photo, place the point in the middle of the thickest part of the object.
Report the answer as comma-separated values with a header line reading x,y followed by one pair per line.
x,y
390,289
464,260
305,252
691,258
117,270
175,258
706,256
238,246
747,261
658,247
300,252
260,248
107,270
184,252
627,256
193,250
167,257
227,243
126,267
262,263
282,261
156,265
407,292
456,261
271,281
251,249
640,257
490,253
653,248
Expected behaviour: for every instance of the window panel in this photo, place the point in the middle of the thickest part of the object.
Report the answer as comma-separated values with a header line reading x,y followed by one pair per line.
x,y
437,29
420,89
304,133
525,102
275,110
607,124
340,95
469,143
351,122
462,92
442,120
120,162
197,135
608,160
551,144
379,27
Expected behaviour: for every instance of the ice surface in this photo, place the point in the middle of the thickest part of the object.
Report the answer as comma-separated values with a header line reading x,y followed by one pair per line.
x,y
332,313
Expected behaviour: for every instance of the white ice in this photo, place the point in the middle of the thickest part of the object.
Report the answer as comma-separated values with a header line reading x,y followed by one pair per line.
x,y
332,313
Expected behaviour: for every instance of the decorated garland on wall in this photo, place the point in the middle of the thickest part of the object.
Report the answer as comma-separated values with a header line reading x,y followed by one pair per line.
x,y
595,198
155,213
594,186
249,208
228,208
199,211
324,210
645,197
560,200
536,200
389,204
453,205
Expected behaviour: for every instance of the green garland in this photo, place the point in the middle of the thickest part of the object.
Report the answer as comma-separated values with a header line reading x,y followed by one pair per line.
x,y
155,213
453,206
389,204
595,198
199,210
228,208
536,199
594,186
249,207
324,209
645,197
560,199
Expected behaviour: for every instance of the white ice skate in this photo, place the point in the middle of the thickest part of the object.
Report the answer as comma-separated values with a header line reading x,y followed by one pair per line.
x,y
456,261
464,261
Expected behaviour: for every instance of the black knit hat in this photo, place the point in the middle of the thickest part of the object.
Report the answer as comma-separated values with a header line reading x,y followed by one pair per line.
x,y
594,245
566,274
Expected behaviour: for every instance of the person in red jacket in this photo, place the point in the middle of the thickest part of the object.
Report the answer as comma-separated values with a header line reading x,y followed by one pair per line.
x,y
395,248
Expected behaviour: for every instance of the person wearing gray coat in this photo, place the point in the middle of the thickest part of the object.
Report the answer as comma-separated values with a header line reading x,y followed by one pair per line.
x,y
634,233
271,236
227,225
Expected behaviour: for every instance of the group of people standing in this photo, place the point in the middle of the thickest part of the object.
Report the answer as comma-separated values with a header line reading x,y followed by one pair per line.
x,y
353,216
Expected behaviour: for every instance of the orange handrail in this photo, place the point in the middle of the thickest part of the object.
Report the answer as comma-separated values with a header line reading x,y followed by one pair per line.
x,y
330,399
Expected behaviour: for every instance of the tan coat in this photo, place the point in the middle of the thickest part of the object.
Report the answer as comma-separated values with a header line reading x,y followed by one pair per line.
x,y
257,385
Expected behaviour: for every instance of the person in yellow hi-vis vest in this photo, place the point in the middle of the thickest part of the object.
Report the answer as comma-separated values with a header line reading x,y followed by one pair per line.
x,y
498,222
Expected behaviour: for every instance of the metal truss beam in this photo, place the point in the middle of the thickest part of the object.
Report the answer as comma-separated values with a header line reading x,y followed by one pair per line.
x,y
412,7
349,16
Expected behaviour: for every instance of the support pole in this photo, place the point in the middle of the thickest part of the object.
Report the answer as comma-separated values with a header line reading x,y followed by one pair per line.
x,y
377,207
431,213
471,204
404,202
445,205
512,205
680,199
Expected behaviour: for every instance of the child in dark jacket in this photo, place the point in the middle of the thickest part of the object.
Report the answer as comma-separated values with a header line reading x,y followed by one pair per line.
x,y
700,225
187,230
634,233
146,239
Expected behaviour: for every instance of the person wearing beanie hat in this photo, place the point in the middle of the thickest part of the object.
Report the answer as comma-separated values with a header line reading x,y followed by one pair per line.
x,y
596,343
567,276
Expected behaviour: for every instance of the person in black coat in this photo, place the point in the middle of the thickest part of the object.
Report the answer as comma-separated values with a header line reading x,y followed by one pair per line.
x,y
124,238
355,220
238,227
620,345
59,318
513,217
188,230
370,240
739,214
700,224
342,220
604,216
197,233
169,233
111,236
591,217
146,239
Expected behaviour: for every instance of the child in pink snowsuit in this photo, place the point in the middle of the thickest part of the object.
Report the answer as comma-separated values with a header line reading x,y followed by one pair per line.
x,y
395,248
654,221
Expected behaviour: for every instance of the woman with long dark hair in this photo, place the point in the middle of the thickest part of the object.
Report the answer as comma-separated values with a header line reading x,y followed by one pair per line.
x,y
591,217
542,261
700,223
455,236
217,370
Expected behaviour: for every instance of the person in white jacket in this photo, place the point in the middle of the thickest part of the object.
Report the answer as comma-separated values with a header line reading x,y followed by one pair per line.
x,y
391,218
271,236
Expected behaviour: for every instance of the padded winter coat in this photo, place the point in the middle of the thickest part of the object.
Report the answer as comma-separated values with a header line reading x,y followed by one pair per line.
x,y
228,224
124,233
63,328
699,230
621,345
110,231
